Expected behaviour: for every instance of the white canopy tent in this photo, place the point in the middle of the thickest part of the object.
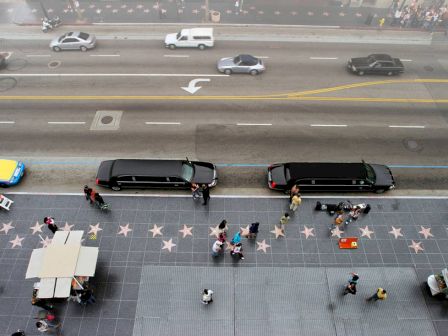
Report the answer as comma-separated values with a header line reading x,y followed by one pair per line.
x,y
58,264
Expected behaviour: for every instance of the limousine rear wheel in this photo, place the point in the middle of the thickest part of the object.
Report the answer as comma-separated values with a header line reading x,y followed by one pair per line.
x,y
379,191
116,188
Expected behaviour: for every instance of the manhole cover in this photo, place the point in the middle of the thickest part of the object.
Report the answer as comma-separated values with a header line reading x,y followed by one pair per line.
x,y
412,145
54,64
7,83
428,68
106,120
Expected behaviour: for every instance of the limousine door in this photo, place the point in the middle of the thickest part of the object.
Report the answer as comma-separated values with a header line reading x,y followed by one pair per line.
x,y
152,182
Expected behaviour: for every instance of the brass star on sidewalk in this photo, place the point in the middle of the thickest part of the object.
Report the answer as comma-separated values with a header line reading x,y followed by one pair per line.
x,y
262,246
36,228
336,232
396,232
416,246
308,232
168,245
67,227
214,231
365,232
277,231
244,231
426,232
94,229
6,227
156,230
45,242
186,231
124,230
16,241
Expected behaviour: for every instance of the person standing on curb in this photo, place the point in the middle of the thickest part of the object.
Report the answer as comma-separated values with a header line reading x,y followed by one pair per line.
x,y
380,294
207,296
217,248
205,193
87,192
350,288
295,202
284,220
51,224
195,191
294,191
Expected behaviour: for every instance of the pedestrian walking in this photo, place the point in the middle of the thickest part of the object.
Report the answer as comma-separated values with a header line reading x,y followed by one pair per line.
x,y
380,294
354,277
45,327
294,191
222,227
87,297
87,192
195,191
92,196
49,221
207,296
217,248
350,288
237,251
284,220
253,230
236,238
205,193
295,202
381,22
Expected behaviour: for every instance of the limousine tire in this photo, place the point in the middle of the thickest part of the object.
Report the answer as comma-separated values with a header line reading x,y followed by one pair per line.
x,y
172,46
201,47
380,191
116,188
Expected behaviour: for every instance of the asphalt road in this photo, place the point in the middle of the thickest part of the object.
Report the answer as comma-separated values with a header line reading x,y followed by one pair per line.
x,y
48,103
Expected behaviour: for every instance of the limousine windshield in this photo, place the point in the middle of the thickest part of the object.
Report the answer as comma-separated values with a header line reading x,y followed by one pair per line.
x,y
187,171
371,177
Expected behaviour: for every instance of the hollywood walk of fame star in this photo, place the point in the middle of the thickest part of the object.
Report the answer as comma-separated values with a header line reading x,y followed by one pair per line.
x,y
16,241
426,232
308,232
95,228
416,246
214,231
168,244
67,227
45,242
336,232
262,246
229,246
365,232
6,227
37,227
244,231
277,231
186,231
396,232
124,230
156,230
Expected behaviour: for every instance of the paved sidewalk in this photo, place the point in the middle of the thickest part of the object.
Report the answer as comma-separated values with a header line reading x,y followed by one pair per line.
x,y
174,231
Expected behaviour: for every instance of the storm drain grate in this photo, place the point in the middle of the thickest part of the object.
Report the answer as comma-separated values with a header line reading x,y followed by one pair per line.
x,y
106,121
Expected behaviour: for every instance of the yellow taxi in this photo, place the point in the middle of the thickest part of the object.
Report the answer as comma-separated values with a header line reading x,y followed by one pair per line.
x,y
11,172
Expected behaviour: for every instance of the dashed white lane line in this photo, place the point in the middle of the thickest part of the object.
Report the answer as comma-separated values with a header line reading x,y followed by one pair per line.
x,y
406,60
161,123
66,122
324,58
7,122
105,55
177,56
323,125
406,126
250,124
38,55
262,56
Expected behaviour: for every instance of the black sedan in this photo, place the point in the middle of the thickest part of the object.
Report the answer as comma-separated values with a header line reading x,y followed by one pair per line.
x,y
379,64
171,174
318,176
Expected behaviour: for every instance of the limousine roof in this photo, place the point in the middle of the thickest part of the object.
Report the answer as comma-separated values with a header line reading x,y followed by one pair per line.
x,y
147,167
326,170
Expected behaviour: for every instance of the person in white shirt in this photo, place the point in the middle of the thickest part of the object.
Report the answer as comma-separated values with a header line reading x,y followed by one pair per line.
x,y
207,296
217,248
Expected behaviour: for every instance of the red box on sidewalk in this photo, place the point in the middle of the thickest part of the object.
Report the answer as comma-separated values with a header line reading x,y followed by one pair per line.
x,y
348,243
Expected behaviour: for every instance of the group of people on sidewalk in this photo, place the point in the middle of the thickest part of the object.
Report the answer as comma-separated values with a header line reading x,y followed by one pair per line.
x,y
350,288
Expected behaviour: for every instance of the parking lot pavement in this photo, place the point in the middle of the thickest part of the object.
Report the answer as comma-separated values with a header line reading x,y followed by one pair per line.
x,y
402,235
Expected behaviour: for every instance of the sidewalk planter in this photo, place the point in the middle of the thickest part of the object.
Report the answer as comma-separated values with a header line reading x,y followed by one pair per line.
x,y
215,16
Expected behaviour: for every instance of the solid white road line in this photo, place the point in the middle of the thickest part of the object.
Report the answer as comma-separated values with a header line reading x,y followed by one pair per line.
x,y
174,56
113,75
323,58
406,126
322,125
249,124
7,122
38,55
66,122
104,55
161,123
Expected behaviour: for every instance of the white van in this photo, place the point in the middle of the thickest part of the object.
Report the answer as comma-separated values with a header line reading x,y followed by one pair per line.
x,y
191,38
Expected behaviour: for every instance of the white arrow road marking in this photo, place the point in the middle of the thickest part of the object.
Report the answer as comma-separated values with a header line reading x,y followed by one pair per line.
x,y
192,88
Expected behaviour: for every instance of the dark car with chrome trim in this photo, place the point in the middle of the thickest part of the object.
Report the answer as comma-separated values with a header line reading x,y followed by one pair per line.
x,y
166,174
319,176
376,64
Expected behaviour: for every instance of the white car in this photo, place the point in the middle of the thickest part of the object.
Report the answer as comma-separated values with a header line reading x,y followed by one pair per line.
x,y
74,41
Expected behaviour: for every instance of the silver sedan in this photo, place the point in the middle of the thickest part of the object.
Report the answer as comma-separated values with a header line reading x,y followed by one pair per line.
x,y
241,64
74,41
